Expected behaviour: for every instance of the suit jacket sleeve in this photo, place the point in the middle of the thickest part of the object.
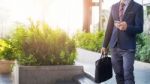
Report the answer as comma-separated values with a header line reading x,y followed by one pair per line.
x,y
138,26
109,29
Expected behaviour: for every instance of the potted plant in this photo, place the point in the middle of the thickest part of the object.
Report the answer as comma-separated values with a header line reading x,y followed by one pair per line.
x,y
6,56
44,54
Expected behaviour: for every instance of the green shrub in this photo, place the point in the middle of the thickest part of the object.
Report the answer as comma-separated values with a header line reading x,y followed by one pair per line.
x,y
140,43
143,48
145,53
90,41
38,44
6,51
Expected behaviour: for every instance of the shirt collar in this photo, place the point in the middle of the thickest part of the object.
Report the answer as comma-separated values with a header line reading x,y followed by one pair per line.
x,y
127,2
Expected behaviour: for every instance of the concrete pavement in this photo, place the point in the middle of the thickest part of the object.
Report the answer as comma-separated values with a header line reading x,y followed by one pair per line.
x,y
5,79
88,58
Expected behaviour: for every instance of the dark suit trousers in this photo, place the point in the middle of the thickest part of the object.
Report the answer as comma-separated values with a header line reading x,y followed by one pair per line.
x,y
123,65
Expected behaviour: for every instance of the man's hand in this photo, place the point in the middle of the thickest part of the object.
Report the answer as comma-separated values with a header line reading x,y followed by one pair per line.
x,y
121,25
104,51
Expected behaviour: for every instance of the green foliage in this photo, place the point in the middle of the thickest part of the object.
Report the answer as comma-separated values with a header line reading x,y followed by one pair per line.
x,y
143,47
38,44
145,53
140,43
6,51
90,41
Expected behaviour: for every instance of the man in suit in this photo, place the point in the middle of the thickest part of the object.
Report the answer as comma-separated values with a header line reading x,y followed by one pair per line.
x,y
125,22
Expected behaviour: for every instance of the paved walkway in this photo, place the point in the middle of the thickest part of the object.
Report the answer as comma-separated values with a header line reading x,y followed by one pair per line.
x,y
88,58
5,79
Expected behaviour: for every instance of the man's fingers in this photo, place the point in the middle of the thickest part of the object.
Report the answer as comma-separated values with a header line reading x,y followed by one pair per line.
x,y
104,51
123,26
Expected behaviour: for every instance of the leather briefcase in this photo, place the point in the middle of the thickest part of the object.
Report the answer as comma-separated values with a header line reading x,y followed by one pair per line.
x,y
103,69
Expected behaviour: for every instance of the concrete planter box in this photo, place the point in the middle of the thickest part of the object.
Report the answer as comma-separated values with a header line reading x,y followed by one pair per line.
x,y
6,66
45,74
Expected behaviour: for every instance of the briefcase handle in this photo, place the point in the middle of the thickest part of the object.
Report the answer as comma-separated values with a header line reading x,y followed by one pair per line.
x,y
103,55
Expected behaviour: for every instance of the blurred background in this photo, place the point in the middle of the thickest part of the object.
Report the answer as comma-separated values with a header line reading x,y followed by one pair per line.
x,y
66,14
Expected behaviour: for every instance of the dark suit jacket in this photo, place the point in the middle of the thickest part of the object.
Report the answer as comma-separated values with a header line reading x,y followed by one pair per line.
x,y
125,39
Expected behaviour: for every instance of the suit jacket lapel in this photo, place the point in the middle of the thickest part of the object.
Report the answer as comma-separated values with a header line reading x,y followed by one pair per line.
x,y
117,10
128,8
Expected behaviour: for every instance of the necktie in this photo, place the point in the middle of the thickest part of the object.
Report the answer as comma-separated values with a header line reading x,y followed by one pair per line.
x,y
121,11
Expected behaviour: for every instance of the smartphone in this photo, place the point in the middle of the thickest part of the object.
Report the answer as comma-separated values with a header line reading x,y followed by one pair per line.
x,y
116,22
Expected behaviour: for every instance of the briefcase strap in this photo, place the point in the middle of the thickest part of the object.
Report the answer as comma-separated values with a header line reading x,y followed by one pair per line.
x,y
102,56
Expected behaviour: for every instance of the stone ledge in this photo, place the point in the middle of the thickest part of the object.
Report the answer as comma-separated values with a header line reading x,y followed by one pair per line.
x,y
45,74
84,79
